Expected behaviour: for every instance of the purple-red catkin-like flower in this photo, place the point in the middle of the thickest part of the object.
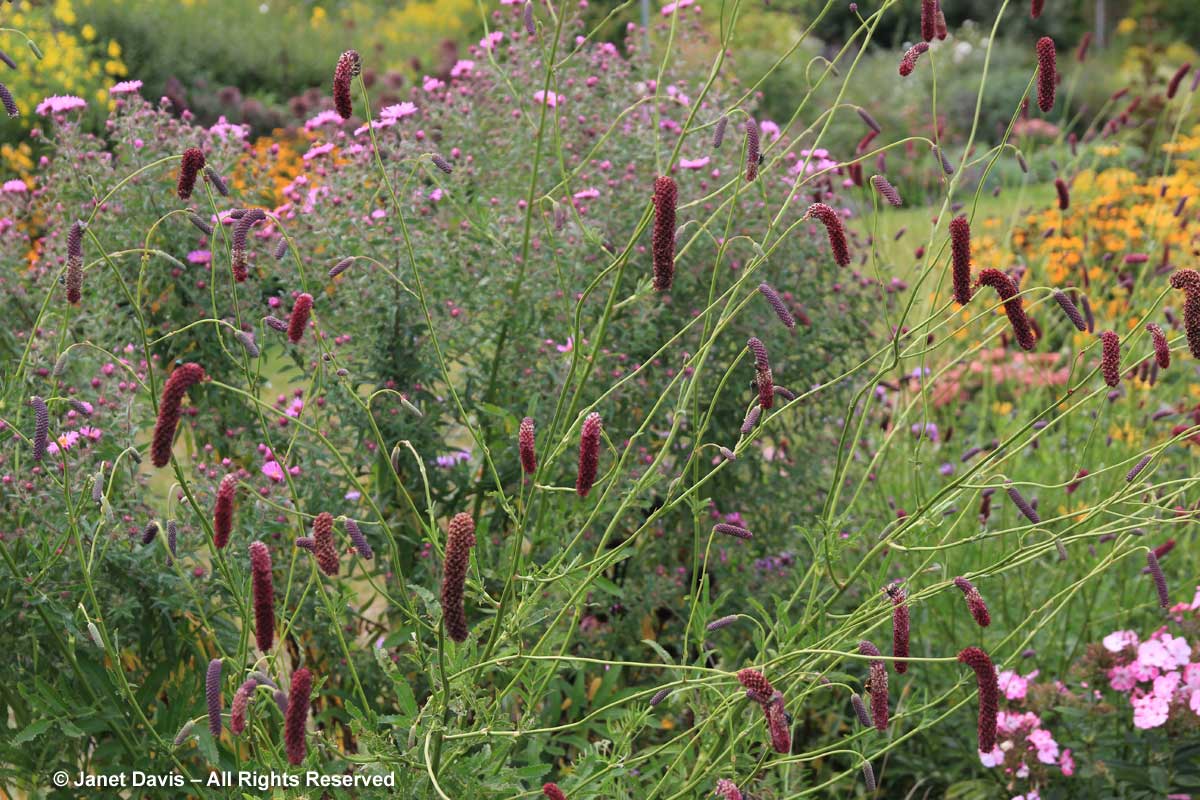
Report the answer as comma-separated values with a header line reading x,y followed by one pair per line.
x,y
868,771
719,132
216,181
899,626
1047,73
869,120
877,685
182,378
833,227
245,221
777,305
552,792
74,279
324,547
928,20
659,696
297,716
10,105
150,532
263,591
777,725
459,541
189,167
729,529
909,61
757,686
1173,85
306,543
728,790
340,267
348,67
1023,505
752,151
1035,8
662,239
361,545
223,511
241,702
1137,468
201,224
960,259
886,190
975,604
1110,359
589,453
1162,348
527,18
41,427
1013,307
298,320
751,419
1160,582
764,380
989,695
1064,196
721,622
1069,308
212,693
525,446
1189,281
441,163
860,710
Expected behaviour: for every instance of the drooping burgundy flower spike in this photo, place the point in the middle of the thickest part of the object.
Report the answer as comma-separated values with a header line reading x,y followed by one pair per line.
x,y
833,227
1110,359
719,132
778,726
212,693
1176,79
263,591
241,702
525,446
662,239
909,61
1023,505
589,453
10,105
216,181
1035,8
41,427
886,190
1160,581
297,716
1064,196
190,165
928,20
1085,42
361,545
764,380
1069,308
777,305
900,622
728,790
1047,74
552,792
1189,281
74,262
1013,307
182,378
460,539
757,686
324,548
876,686
860,710
752,151
1137,468
348,67
989,694
729,529
298,321
223,511
960,259
975,604
1162,348
245,221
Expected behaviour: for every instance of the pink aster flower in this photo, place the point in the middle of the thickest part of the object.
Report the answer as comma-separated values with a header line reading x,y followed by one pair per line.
x,y
326,117
431,84
126,87
58,103
694,163
398,111
1154,653
549,98
199,257
992,759
91,433
491,40
273,470
14,186
1047,748
670,8
586,194
318,150
462,67
1177,648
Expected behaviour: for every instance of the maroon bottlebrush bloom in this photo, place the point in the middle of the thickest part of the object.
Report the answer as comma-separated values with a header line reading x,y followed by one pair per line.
x,y
1023,505
1073,485
212,693
340,267
241,230
1013,307
223,511
281,249
348,67
960,252
1189,281
1162,349
869,120
928,20
298,320
552,791
1179,75
275,323
589,453
909,61
1047,74
324,548
237,709
777,305
764,380
662,239
989,695
297,716
74,262
1160,582
441,163
1110,359
361,545
719,133
149,532
975,604
659,696
728,790
729,529
886,190
947,167
1084,43
876,686
1137,469
182,378
460,539
1035,8
860,710
757,686
264,596
216,181
939,24
899,626
525,446
201,224
833,227
306,543
1068,307
189,167
41,427
777,725
1064,196
1164,548
10,105
751,418
752,151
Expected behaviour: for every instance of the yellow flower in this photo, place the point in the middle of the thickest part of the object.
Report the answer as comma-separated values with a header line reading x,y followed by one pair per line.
x,y
1127,26
87,32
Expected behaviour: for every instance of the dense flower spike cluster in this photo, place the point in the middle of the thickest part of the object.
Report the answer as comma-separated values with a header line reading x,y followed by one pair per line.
x,y
460,538
41,427
212,694
552,792
928,20
729,529
960,259
240,705
719,132
662,239
215,180
860,710
324,548
589,453
182,378
753,156
74,279
263,592
1047,77
764,380
223,511
900,625
834,229
10,104
777,305
909,61
296,718
1110,359
1070,309
778,725
1188,280
348,67
245,221
359,540
975,604
1160,580
989,694
1013,307
1023,505
190,165
1176,79
525,446
298,321
876,685
1162,348
757,686
886,190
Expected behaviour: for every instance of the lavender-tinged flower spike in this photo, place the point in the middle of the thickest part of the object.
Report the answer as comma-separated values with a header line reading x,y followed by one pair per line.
x,y
868,120
1069,308
527,17
359,540
340,267
1023,505
886,190
239,706
659,696
719,132
216,181
868,773
281,249
1160,581
975,603
306,543
276,324
203,226
247,341
751,419
74,262
41,427
729,529
589,453
212,693
184,733
947,167
777,305
150,532
10,105
860,710
1137,468
441,163
752,152
172,537
721,622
